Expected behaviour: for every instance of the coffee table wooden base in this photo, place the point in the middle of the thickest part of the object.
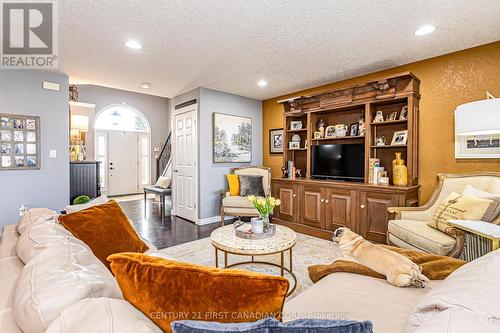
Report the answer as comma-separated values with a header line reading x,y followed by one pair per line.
x,y
281,266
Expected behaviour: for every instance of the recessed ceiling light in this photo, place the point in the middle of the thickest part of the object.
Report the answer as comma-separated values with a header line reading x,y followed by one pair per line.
x,y
262,83
145,85
426,29
133,45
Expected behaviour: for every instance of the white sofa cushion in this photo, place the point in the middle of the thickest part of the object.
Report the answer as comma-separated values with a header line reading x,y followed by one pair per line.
x,y
32,215
455,321
40,235
94,202
473,287
8,241
53,280
102,315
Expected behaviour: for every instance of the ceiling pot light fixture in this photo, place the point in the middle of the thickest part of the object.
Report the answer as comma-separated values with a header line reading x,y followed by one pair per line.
x,y
132,44
425,30
145,85
262,83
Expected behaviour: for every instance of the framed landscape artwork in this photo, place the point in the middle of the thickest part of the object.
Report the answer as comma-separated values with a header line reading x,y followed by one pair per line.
x,y
232,139
276,141
19,142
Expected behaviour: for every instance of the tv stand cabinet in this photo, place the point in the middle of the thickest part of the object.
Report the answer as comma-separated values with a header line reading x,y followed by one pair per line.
x,y
318,207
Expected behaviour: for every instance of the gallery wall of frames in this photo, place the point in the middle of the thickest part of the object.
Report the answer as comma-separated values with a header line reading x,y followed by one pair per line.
x,y
19,142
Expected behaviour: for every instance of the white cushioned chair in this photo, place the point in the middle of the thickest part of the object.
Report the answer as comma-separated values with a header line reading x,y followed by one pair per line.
x,y
409,229
238,205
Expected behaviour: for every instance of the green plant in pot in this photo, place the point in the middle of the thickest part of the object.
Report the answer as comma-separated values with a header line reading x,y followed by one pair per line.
x,y
265,207
81,199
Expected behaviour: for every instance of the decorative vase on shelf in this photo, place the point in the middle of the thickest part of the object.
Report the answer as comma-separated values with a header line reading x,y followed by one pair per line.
x,y
399,171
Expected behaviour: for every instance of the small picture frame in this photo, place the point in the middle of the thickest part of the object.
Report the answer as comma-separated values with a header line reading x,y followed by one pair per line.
x,y
379,117
392,116
380,141
403,115
317,135
330,132
276,141
293,145
400,138
353,129
295,125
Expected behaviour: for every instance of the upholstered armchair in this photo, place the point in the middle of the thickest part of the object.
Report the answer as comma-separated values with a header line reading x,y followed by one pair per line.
x,y
409,227
241,206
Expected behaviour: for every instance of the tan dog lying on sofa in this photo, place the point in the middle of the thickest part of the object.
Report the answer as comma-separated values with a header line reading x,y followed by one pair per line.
x,y
398,270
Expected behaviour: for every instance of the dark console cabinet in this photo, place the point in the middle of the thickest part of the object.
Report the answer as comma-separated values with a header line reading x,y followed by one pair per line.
x,y
84,179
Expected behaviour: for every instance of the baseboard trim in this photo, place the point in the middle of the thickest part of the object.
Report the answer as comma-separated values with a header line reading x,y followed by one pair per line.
x,y
212,219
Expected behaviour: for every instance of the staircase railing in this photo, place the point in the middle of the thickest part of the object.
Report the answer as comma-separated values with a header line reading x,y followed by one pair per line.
x,y
163,159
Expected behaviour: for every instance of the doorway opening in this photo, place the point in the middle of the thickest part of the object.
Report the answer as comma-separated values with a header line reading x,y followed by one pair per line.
x,y
122,145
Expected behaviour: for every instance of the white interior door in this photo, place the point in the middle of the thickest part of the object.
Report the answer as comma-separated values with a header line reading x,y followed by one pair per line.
x,y
122,163
184,164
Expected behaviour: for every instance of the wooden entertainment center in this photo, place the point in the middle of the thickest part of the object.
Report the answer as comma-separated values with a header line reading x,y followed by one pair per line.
x,y
319,206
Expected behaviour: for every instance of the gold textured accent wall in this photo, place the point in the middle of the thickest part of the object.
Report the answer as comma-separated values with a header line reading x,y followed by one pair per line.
x,y
445,82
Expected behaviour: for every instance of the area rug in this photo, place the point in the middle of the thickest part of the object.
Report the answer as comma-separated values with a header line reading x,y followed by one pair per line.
x,y
307,251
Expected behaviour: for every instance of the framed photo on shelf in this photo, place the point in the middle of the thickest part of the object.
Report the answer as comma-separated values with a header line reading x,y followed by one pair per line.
x,y
19,142
399,138
477,146
276,141
295,125
353,129
293,145
403,115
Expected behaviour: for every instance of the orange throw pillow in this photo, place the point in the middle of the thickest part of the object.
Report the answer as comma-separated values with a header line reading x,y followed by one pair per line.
x,y
105,229
166,290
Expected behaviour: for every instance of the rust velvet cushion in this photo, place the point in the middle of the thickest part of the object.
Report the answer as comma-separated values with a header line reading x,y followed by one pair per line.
x,y
166,290
105,229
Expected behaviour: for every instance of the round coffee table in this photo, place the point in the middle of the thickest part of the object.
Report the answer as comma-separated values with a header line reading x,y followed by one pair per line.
x,y
224,240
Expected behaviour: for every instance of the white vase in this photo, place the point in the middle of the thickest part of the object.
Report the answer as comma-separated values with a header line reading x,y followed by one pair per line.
x,y
257,225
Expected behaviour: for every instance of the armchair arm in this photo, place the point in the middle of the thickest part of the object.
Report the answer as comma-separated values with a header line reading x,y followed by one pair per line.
x,y
410,213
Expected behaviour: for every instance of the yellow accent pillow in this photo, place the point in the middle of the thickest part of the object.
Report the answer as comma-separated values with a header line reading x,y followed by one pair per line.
x,y
105,229
166,290
234,184
458,207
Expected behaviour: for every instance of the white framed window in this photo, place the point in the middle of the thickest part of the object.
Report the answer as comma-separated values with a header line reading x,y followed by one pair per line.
x,y
121,117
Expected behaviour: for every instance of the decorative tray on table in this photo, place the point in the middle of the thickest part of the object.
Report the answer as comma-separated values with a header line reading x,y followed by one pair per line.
x,y
244,230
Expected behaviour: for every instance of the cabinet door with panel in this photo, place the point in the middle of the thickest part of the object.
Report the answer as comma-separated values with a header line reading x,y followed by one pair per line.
x,y
311,207
374,215
288,195
340,210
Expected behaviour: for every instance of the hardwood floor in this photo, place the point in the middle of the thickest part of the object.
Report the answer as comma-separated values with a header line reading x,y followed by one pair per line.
x,y
171,231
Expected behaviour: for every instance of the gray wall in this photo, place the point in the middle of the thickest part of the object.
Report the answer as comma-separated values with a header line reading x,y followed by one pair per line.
x,y
21,93
212,175
156,109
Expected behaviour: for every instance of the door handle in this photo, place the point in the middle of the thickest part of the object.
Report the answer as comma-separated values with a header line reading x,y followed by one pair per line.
x,y
294,195
326,201
322,200
362,206
175,170
111,168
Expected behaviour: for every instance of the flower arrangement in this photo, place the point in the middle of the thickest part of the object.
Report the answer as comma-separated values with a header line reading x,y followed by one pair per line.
x,y
264,206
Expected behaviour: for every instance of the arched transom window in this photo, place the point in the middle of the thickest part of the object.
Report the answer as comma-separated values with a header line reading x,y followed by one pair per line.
x,y
121,117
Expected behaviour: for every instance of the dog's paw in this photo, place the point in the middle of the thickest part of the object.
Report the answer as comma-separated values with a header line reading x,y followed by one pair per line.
x,y
417,283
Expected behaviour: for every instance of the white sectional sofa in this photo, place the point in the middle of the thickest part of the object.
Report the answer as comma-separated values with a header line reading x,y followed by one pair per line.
x,y
63,287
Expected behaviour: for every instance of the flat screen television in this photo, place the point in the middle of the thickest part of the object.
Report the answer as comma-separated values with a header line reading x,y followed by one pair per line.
x,y
338,161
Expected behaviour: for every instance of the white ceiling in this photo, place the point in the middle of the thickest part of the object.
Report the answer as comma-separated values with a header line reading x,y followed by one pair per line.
x,y
230,45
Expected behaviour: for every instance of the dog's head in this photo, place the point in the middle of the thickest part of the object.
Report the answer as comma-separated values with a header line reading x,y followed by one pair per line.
x,y
343,235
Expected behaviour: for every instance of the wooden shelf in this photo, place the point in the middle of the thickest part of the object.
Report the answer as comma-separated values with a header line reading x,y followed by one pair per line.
x,y
292,149
389,146
389,122
297,130
340,138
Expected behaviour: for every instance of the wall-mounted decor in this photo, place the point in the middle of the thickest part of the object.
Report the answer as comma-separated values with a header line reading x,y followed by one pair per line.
x,y
232,139
276,141
19,142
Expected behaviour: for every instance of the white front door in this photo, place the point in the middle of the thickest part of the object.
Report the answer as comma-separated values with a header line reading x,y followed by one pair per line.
x,y
122,163
184,164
